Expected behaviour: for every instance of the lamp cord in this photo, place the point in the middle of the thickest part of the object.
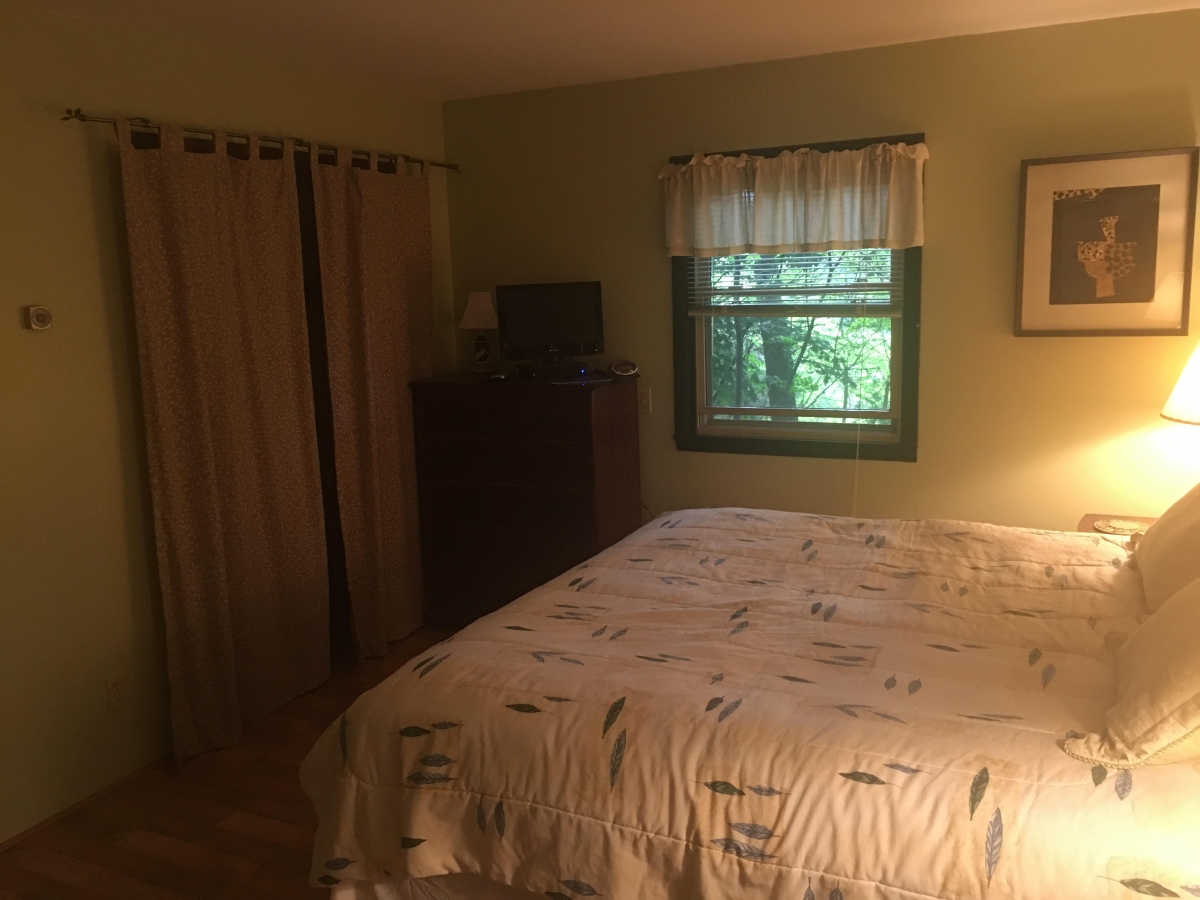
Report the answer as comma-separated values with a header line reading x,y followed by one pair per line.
x,y
857,447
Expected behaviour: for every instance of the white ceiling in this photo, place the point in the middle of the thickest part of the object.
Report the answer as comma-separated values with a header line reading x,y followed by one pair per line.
x,y
450,49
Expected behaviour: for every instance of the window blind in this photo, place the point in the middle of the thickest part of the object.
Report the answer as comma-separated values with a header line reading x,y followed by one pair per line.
x,y
860,283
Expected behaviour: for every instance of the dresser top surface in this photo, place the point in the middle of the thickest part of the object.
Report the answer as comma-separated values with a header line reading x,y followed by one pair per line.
x,y
469,380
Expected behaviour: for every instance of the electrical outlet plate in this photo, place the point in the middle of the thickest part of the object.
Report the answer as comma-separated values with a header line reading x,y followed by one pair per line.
x,y
645,406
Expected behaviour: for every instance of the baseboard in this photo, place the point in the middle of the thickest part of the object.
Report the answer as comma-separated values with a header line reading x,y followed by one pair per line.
x,y
62,814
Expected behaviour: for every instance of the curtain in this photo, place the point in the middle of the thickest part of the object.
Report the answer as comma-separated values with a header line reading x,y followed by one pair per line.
x,y
373,239
799,201
218,297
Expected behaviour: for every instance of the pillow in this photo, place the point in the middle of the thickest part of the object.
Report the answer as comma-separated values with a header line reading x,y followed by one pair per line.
x,y
1157,714
1168,555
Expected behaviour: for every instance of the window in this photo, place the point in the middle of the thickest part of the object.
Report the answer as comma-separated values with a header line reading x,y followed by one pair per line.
x,y
798,353
803,354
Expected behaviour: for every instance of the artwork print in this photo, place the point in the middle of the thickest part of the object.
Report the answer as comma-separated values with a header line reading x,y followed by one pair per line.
x,y
1104,245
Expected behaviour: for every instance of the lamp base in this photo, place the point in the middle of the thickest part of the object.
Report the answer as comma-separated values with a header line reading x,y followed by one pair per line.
x,y
482,354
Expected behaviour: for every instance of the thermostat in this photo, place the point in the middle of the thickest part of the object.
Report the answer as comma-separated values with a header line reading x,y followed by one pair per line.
x,y
36,318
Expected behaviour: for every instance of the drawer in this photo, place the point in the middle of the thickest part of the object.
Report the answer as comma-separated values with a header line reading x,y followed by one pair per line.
x,y
520,507
474,570
506,411
501,461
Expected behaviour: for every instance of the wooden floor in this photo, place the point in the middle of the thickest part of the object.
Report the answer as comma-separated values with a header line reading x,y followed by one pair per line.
x,y
228,824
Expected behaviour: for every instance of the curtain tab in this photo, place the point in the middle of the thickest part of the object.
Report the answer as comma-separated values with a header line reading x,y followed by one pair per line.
x,y
171,138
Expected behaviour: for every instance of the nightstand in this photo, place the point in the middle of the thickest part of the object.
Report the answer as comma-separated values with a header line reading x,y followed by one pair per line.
x,y
1088,522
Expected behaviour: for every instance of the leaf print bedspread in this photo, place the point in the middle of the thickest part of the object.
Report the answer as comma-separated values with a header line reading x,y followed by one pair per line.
x,y
756,704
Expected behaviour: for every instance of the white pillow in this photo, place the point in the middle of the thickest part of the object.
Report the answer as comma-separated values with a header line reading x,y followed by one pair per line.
x,y
1157,714
1168,555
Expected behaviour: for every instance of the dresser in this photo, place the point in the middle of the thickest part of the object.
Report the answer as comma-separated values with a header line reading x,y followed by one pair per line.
x,y
518,481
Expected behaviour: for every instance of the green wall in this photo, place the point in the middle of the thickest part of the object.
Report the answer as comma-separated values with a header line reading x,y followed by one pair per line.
x,y
562,184
76,605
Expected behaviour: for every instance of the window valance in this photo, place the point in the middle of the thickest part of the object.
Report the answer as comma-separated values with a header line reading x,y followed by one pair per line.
x,y
799,201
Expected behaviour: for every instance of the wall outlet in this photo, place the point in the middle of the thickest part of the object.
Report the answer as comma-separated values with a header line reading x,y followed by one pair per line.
x,y
645,406
115,688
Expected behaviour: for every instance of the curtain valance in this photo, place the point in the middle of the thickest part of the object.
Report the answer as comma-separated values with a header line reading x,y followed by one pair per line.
x,y
799,201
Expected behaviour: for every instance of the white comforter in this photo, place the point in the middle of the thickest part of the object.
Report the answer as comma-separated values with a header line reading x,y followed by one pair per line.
x,y
736,703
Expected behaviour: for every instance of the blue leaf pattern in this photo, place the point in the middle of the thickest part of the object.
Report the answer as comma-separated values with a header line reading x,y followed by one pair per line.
x,y
783,631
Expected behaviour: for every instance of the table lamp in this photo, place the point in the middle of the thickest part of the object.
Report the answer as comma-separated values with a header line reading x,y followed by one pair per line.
x,y
480,316
1184,403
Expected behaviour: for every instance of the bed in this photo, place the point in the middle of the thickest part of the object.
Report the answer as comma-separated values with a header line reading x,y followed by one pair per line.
x,y
746,703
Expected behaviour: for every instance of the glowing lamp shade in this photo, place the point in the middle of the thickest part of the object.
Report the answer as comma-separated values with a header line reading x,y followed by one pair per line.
x,y
1184,402
479,314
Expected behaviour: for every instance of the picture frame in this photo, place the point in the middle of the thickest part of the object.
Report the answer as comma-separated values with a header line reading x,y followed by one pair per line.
x,y
1105,244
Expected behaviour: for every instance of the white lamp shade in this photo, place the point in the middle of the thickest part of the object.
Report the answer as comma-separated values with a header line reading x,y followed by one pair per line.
x,y
1184,403
479,314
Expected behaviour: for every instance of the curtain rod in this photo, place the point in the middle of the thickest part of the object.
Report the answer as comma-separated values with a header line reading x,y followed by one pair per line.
x,y
79,115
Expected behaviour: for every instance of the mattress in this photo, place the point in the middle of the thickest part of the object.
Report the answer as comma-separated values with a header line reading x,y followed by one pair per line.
x,y
745,703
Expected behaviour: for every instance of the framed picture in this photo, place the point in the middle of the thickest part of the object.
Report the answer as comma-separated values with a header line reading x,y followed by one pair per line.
x,y
1106,244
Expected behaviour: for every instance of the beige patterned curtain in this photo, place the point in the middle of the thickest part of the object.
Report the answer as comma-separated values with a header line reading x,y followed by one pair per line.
x,y
373,235
218,293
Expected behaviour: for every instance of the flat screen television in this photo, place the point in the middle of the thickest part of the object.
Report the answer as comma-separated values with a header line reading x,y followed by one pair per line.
x,y
544,321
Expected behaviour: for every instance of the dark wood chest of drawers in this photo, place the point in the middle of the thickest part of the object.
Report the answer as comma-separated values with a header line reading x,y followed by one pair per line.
x,y
518,482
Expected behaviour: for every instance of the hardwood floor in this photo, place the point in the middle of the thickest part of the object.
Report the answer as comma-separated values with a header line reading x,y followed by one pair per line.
x,y
227,825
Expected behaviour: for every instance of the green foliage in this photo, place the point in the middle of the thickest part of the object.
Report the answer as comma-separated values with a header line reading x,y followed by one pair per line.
x,y
803,361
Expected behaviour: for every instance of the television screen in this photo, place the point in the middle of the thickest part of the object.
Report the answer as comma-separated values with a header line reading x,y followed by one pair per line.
x,y
545,320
